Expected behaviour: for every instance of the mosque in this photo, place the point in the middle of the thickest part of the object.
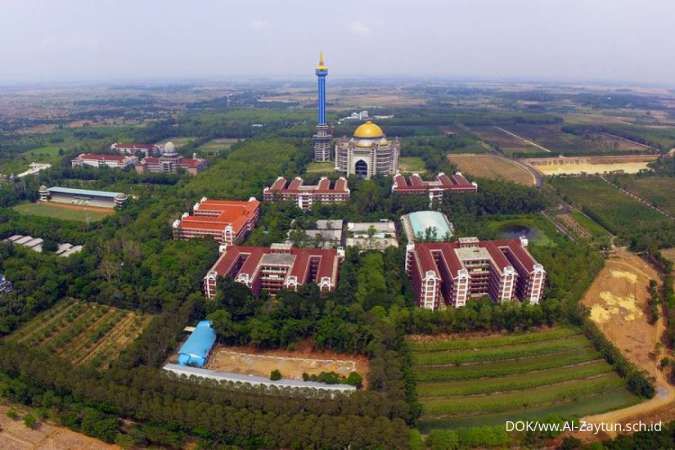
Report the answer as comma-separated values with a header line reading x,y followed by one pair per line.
x,y
367,153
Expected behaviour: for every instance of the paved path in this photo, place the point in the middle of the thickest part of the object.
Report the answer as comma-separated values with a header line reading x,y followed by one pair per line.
x,y
527,141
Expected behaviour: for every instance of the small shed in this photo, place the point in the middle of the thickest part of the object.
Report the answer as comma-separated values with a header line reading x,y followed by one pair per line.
x,y
195,351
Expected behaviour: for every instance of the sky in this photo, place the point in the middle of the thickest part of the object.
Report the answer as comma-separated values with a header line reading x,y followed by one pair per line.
x,y
549,40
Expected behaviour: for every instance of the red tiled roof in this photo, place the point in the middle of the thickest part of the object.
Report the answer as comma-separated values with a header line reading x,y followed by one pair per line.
x,y
215,215
300,266
415,184
297,186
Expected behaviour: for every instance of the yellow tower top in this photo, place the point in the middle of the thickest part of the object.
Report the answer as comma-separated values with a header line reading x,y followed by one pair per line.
x,y
322,64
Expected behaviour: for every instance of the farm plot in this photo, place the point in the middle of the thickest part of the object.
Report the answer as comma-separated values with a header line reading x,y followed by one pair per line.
x,y
655,189
504,142
492,167
605,204
83,333
555,139
485,380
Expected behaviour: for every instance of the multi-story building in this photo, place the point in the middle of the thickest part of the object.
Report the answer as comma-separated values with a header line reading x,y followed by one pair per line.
x,y
226,221
323,136
450,273
367,153
5,285
103,160
434,189
136,149
171,162
326,191
280,266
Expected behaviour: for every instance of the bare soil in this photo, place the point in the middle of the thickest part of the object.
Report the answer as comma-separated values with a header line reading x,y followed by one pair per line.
x,y
618,301
292,364
493,167
14,435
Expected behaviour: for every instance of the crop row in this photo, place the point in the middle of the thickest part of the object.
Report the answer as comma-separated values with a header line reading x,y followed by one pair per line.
x,y
42,321
500,353
84,321
513,382
515,400
502,368
492,341
592,404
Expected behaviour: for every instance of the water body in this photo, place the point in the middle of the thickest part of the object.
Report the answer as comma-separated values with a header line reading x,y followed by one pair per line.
x,y
516,231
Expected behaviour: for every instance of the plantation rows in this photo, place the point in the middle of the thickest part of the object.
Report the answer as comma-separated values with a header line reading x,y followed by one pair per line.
x,y
501,353
492,341
482,380
83,333
513,382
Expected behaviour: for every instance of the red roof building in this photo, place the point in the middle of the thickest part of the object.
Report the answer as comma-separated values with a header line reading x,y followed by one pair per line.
x,y
226,221
415,185
103,160
450,273
326,191
280,266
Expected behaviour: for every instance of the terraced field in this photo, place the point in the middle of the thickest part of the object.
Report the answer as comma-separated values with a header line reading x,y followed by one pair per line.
x,y
83,333
485,380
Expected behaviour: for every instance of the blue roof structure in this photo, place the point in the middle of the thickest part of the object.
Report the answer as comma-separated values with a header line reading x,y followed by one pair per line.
x,y
73,191
195,351
421,220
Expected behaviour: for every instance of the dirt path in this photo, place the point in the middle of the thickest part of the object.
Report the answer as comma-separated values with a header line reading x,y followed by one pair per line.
x,y
619,293
525,140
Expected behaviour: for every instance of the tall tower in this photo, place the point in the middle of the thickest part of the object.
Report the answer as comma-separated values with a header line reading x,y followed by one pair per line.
x,y
322,137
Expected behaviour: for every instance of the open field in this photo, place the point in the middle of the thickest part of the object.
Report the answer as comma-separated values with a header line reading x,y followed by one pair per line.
x,y
83,333
291,364
14,435
590,164
215,146
493,167
657,190
555,139
614,210
618,301
506,143
320,167
485,380
64,211
46,154
411,164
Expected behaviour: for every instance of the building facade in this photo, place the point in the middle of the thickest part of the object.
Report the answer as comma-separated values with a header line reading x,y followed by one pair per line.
x,y
136,149
434,189
367,153
322,136
280,266
101,160
450,273
82,197
226,221
326,191
171,162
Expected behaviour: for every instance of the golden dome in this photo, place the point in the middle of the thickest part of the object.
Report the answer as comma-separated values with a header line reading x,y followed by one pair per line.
x,y
368,130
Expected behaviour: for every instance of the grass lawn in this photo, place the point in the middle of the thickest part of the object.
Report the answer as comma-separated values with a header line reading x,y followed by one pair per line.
x,y
215,146
410,164
485,380
594,228
62,212
320,167
45,154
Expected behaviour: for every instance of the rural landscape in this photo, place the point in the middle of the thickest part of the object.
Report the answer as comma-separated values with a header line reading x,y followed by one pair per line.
x,y
322,261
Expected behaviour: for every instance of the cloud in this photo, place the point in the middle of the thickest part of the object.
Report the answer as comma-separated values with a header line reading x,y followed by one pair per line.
x,y
259,24
359,28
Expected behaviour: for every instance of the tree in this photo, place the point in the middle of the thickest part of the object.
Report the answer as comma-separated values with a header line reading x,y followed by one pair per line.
x,y
275,375
30,421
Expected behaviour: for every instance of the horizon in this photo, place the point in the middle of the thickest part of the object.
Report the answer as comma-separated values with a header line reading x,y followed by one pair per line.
x,y
119,41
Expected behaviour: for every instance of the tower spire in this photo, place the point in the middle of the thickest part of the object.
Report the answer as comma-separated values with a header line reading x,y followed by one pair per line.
x,y
321,63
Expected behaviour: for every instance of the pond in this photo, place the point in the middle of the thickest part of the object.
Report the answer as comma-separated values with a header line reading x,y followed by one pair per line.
x,y
515,231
